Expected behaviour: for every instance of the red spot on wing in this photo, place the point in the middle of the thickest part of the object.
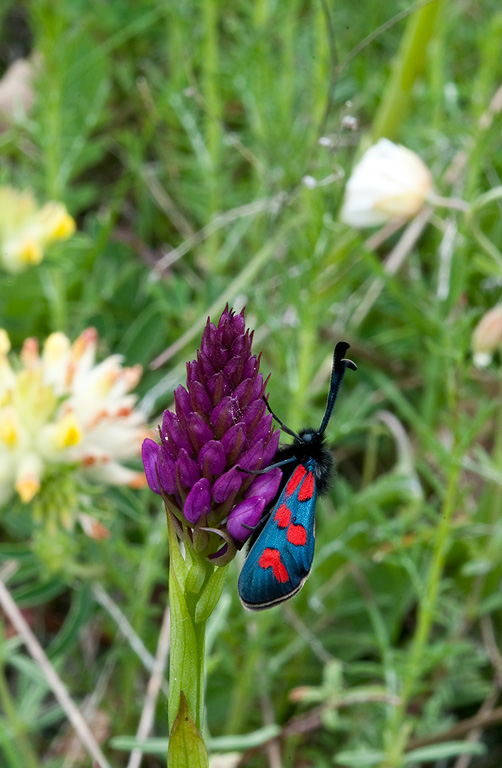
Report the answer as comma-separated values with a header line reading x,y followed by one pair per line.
x,y
271,558
307,490
283,516
297,535
295,479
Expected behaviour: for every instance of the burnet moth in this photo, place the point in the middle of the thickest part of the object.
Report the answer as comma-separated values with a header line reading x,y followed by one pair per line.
x,y
280,558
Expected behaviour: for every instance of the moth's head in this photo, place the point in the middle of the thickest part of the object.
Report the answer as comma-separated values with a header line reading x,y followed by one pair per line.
x,y
307,436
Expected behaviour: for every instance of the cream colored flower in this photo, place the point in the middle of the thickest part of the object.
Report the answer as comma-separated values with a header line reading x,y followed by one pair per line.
x,y
487,337
26,230
60,410
389,182
16,89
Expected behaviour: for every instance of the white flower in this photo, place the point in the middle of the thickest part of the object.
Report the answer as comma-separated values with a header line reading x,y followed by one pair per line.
x,y
26,230
389,182
487,337
60,410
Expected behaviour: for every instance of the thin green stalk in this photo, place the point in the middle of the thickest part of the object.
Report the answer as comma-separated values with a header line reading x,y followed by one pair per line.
x,y
486,583
370,461
485,132
304,367
493,195
258,116
52,149
497,459
410,62
214,138
486,198
239,283
52,279
146,579
50,24
486,244
396,735
244,692
187,640
9,749
289,41
323,85
195,586
28,759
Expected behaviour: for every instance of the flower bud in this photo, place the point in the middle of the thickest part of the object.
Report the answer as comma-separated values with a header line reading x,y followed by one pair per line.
x,y
198,501
487,337
389,182
245,517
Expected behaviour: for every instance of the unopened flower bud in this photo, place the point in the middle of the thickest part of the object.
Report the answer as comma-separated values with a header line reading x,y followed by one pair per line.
x,y
389,182
487,337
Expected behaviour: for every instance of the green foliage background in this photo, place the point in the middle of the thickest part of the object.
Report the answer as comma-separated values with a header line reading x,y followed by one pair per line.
x,y
178,135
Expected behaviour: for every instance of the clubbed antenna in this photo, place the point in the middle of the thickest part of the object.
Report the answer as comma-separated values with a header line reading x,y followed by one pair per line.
x,y
339,366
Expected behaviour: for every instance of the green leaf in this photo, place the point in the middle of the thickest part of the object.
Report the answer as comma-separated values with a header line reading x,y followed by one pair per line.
x,y
152,746
186,745
360,758
195,577
442,751
31,595
176,558
240,742
78,615
244,741
211,594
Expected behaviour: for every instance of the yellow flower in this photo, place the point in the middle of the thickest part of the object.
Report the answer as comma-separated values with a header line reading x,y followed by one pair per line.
x,y
59,411
26,230
28,477
68,431
9,427
4,342
55,222
30,252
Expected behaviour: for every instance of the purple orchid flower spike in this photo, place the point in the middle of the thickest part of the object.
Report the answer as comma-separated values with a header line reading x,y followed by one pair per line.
x,y
220,423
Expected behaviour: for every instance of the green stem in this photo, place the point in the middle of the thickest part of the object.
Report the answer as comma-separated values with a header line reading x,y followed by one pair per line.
x,y
471,217
306,345
486,584
23,748
51,26
210,85
409,64
195,586
239,283
486,198
497,461
243,696
396,736
187,640
485,243
52,280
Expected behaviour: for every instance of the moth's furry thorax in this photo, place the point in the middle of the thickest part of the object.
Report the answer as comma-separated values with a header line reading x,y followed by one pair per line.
x,y
310,445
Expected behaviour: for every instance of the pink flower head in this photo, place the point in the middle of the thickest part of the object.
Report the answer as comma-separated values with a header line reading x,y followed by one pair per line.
x,y
220,427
